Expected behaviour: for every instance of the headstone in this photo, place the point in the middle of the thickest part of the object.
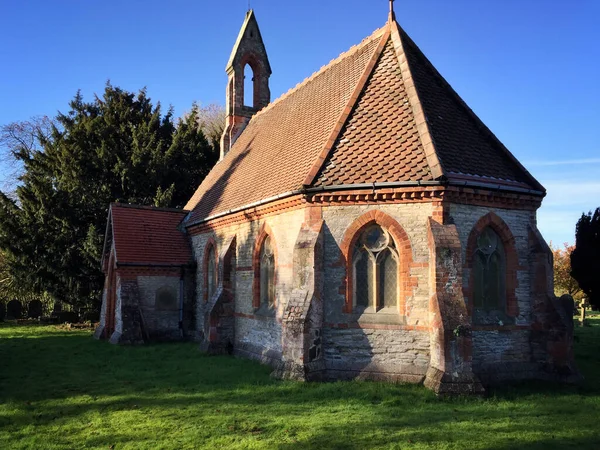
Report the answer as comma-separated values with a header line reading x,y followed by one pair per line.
x,y
69,317
35,309
14,309
57,308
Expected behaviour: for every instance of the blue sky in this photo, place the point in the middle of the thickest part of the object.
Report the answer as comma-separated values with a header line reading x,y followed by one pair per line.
x,y
529,68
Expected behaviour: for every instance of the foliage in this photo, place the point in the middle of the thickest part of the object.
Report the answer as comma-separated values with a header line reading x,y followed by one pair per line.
x,y
211,120
564,283
17,137
116,148
585,259
171,396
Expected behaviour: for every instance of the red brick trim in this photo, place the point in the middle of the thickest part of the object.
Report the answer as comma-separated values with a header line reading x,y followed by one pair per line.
x,y
493,221
407,283
264,231
210,243
251,214
131,273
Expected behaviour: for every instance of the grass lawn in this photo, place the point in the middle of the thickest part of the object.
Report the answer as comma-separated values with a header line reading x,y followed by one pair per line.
x,y
62,389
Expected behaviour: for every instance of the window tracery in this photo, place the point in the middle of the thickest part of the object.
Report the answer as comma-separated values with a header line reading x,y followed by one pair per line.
x,y
375,266
489,272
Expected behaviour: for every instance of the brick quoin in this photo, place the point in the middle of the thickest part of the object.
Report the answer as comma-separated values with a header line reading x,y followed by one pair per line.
x,y
406,282
493,221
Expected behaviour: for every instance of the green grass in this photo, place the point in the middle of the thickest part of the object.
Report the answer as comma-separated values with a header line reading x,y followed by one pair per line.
x,y
62,389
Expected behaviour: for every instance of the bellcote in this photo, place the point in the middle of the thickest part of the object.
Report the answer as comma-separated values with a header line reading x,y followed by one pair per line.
x,y
248,59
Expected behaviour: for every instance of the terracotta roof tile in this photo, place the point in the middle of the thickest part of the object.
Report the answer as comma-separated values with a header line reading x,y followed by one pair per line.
x,y
380,142
406,124
149,235
464,145
280,144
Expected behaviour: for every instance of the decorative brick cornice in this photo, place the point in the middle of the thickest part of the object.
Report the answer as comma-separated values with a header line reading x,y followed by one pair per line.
x,y
375,196
249,215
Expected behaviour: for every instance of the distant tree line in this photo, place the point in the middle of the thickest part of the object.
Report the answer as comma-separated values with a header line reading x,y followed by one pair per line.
x,y
585,258
67,169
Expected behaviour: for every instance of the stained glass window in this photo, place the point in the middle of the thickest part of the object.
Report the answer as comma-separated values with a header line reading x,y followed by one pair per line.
x,y
375,266
489,271
267,274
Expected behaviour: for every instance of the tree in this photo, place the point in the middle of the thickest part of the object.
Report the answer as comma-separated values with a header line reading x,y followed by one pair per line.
x,y
211,120
17,137
116,148
585,259
564,283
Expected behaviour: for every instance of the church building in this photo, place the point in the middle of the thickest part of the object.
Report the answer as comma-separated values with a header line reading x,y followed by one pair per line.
x,y
366,224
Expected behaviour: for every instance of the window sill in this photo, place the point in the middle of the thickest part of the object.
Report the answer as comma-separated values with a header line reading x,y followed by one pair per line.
x,y
265,311
389,316
491,317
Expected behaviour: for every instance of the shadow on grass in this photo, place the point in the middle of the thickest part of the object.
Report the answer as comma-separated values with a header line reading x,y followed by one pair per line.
x,y
51,378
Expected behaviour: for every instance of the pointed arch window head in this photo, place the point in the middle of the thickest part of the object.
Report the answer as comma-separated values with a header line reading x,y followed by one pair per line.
x,y
249,83
267,274
375,265
489,272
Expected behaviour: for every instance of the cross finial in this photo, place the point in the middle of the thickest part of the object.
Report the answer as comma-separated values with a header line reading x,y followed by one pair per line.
x,y
392,14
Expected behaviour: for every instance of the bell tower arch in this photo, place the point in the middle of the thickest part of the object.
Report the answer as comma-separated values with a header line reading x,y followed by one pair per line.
x,y
249,56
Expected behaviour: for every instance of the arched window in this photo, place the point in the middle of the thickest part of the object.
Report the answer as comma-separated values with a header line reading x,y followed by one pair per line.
x,y
375,265
248,86
267,274
489,272
211,272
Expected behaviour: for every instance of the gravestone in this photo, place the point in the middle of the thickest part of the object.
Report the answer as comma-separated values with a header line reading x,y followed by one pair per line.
x,y
35,309
14,309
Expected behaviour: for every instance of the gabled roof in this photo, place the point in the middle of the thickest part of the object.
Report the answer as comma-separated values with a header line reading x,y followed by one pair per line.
x,y
378,113
145,235
250,25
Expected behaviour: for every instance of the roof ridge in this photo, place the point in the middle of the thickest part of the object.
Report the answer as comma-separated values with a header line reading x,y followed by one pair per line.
x,y
150,207
425,135
481,126
347,111
355,48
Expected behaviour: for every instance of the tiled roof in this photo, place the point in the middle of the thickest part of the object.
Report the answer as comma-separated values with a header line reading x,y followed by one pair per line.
x,y
464,145
280,144
380,141
146,235
378,113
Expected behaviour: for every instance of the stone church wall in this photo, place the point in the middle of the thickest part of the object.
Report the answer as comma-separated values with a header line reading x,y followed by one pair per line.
x,y
502,350
257,331
161,318
376,347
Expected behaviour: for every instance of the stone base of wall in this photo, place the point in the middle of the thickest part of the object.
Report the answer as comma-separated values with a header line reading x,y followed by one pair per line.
x,y
445,385
265,356
493,374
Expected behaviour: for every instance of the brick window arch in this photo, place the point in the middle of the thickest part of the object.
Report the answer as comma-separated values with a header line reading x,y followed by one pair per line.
x,y
264,262
211,269
378,257
492,261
